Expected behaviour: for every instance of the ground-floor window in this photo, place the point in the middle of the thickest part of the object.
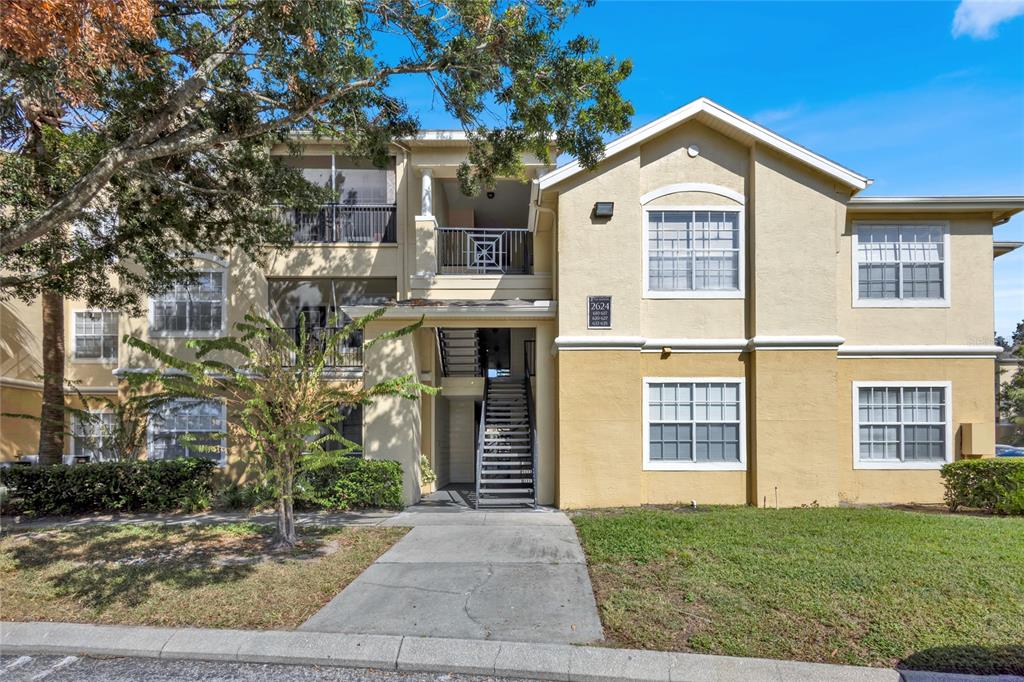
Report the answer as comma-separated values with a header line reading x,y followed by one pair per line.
x,y
204,421
694,424
90,437
902,425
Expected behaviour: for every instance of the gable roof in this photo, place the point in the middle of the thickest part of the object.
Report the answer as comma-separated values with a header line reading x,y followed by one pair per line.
x,y
733,122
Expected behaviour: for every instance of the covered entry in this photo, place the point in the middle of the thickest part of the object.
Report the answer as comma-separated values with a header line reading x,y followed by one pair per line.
x,y
485,416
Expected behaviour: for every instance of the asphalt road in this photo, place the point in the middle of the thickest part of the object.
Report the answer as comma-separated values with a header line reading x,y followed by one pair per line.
x,y
74,668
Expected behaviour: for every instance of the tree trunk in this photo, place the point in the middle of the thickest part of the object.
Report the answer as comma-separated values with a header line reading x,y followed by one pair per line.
x,y
51,429
286,537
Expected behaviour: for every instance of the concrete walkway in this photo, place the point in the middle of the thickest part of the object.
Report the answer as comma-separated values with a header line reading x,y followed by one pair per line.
x,y
467,574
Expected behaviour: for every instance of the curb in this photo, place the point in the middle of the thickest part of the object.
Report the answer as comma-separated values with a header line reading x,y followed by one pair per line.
x,y
414,654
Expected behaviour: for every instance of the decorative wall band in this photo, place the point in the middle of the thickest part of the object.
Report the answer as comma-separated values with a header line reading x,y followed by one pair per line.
x,y
936,351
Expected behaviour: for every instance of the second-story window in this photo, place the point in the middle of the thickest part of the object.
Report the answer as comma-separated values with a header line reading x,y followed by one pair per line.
x,y
693,253
95,335
191,308
901,264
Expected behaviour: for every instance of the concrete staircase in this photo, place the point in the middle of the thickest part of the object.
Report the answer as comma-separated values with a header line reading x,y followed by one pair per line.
x,y
505,466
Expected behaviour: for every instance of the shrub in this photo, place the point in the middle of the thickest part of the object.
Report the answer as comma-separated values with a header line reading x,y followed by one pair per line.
x,y
995,485
353,484
246,497
138,486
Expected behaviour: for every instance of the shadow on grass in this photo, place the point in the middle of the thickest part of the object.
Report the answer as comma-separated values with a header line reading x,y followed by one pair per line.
x,y
118,565
1007,659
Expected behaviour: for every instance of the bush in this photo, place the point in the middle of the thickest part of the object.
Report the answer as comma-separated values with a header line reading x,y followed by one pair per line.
x,y
137,486
245,497
353,484
995,485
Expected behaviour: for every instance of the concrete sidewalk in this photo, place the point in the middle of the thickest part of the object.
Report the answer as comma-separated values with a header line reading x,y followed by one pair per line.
x,y
419,654
462,573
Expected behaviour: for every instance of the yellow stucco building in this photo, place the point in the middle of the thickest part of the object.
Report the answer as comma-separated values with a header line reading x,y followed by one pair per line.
x,y
711,314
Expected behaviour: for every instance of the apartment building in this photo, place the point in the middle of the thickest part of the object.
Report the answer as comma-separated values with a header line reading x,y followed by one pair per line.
x,y
711,314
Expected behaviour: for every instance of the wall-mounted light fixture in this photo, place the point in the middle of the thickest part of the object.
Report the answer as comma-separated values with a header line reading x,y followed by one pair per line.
x,y
490,194
604,209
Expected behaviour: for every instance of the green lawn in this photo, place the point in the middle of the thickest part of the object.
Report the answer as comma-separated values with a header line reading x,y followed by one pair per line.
x,y
222,576
860,586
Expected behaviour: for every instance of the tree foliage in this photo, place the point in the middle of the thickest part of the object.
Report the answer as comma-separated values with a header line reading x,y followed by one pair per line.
x,y
160,147
1011,394
284,409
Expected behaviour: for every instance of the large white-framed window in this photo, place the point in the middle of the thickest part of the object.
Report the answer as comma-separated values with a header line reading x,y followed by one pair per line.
x,y
694,424
90,436
94,335
693,252
901,264
902,424
197,309
204,420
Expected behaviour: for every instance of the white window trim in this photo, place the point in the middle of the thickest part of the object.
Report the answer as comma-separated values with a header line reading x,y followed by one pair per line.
x,y
648,465
223,441
213,334
858,464
947,284
74,339
700,294
69,458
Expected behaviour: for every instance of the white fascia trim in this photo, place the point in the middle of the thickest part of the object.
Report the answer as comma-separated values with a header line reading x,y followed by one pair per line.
x,y
539,310
426,219
705,106
857,464
11,382
694,345
599,342
693,187
960,203
796,342
929,351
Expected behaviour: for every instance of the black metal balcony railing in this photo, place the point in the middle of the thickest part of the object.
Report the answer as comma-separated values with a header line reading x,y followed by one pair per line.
x,y
343,223
346,353
476,251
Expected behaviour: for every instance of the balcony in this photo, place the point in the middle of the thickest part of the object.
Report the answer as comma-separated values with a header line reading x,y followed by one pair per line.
x,y
346,355
343,224
479,251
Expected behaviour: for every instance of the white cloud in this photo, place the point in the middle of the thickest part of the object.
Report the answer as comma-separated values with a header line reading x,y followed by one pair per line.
x,y
979,18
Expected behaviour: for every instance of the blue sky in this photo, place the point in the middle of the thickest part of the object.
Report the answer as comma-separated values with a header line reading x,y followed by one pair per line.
x,y
923,97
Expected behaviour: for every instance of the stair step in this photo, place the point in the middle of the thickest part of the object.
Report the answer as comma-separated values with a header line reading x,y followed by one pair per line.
x,y
492,479
516,491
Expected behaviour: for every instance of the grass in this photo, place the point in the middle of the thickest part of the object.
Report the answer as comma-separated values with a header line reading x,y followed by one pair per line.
x,y
220,576
858,586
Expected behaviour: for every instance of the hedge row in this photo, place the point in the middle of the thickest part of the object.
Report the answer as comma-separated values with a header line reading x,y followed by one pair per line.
x,y
137,486
995,485
353,484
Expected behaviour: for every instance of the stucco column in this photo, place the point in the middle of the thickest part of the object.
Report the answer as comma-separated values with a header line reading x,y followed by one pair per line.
x,y
426,192
392,425
545,402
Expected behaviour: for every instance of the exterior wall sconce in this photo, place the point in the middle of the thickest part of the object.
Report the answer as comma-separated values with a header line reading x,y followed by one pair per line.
x,y
604,209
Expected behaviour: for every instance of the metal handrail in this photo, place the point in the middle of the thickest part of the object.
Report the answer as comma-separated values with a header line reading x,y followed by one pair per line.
x,y
346,353
482,251
480,444
533,436
343,223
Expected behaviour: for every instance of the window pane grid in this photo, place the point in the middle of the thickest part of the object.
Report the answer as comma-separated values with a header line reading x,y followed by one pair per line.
x,y
902,424
901,262
91,436
96,335
191,307
693,250
693,422
185,416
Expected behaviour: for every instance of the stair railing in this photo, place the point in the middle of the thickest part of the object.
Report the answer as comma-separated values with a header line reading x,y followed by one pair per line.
x,y
533,438
480,443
